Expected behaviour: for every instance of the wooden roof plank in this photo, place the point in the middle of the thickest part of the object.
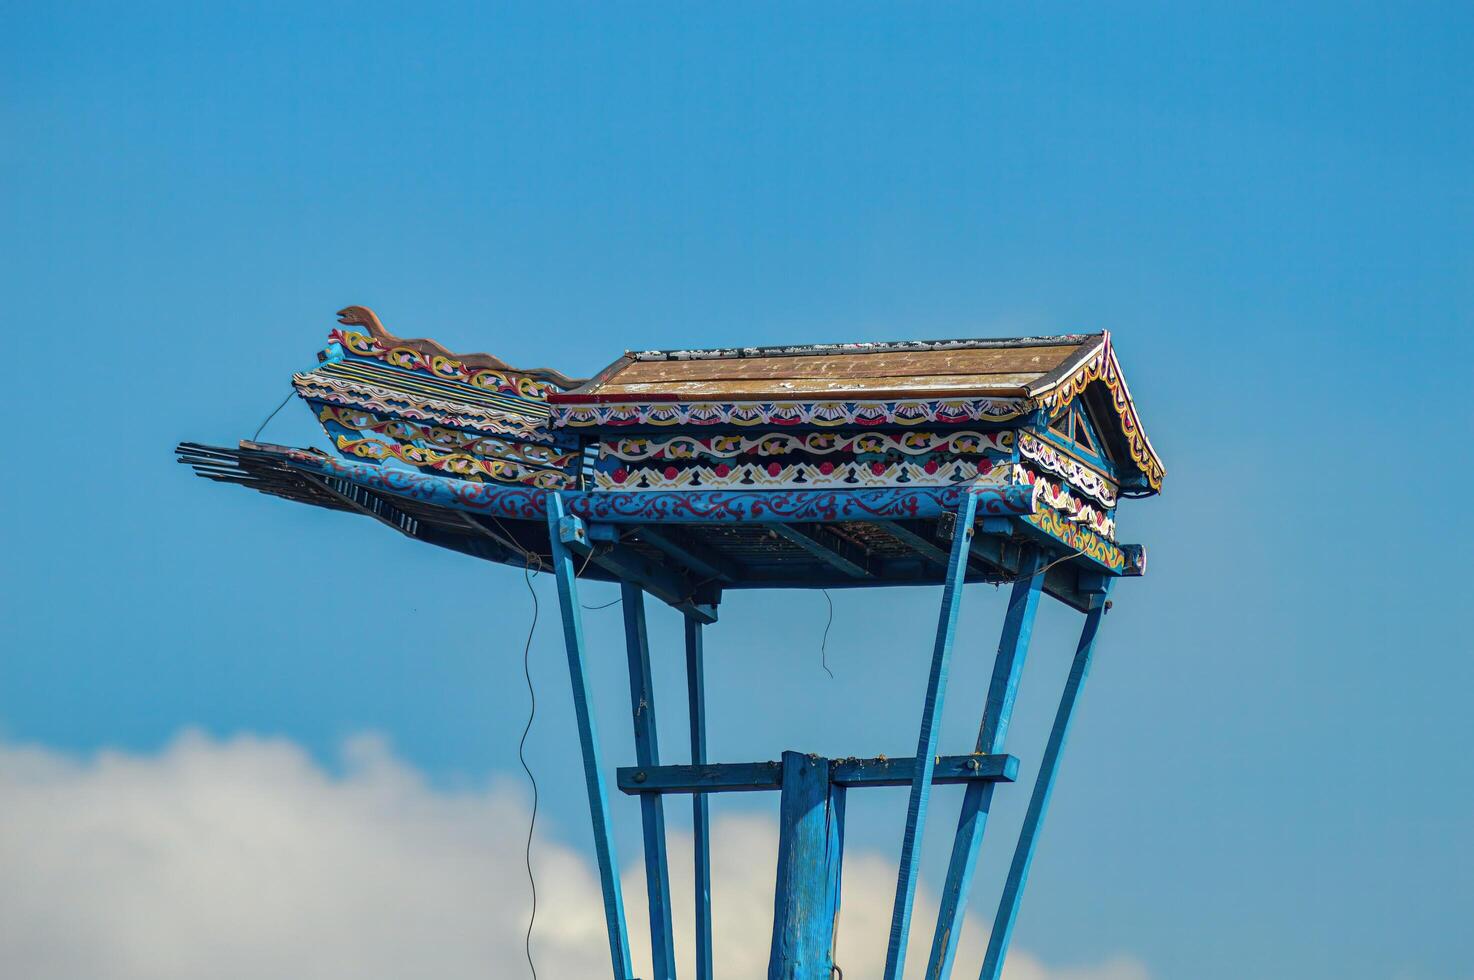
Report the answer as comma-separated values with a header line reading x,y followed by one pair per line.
x,y
783,389
1034,361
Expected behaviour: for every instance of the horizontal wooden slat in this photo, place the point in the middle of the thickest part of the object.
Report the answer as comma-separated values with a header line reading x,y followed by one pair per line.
x,y
1034,361
750,777
780,389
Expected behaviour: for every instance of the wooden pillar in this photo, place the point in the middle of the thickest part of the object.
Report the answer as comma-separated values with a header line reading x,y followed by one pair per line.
x,y
926,746
810,851
559,523
1023,854
652,807
700,812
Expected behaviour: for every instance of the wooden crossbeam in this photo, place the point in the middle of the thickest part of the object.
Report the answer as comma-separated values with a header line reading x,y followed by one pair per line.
x,y
630,566
996,546
749,777
918,543
828,548
368,503
700,559
927,547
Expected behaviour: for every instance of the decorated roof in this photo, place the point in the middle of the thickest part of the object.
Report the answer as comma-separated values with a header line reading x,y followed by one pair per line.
x,y
421,353
703,470
967,368
835,384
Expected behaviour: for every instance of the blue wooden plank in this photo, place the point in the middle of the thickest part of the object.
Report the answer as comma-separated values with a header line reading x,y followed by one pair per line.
x,y
676,506
588,740
1023,854
926,745
810,843
833,551
700,812
699,559
647,753
1008,666
946,770
922,545
752,777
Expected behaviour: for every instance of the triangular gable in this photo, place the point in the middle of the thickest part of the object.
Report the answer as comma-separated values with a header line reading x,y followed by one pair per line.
x,y
1098,368
1084,434
1075,430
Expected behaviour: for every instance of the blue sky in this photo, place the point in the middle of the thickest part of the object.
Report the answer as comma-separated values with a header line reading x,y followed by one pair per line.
x,y
1268,205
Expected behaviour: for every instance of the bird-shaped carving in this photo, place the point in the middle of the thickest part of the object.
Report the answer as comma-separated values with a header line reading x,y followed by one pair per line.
x,y
362,316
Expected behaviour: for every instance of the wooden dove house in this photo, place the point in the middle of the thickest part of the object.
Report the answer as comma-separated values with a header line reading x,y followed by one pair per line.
x,y
684,474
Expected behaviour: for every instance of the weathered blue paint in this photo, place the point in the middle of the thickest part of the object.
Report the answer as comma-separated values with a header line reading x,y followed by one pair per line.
x,y
1008,666
754,777
926,744
700,812
833,872
588,739
676,506
652,812
695,558
1023,854
923,546
806,893
838,553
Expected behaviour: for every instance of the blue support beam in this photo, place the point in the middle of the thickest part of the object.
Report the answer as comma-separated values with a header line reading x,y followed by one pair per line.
x,y
591,541
700,812
700,560
1008,667
1023,854
756,777
810,849
588,739
922,545
652,811
833,551
926,745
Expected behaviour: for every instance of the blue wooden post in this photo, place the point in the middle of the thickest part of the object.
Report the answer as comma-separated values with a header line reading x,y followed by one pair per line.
x,y
810,850
926,745
652,808
700,813
1023,854
1008,666
834,867
588,735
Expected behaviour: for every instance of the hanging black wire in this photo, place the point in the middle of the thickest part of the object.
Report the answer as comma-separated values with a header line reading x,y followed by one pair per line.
x,y
824,642
528,572
255,435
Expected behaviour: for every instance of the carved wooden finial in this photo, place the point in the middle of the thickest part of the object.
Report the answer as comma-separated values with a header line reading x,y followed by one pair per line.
x,y
362,316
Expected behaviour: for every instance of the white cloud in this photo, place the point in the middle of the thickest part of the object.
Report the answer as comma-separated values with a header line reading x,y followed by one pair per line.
x,y
244,859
